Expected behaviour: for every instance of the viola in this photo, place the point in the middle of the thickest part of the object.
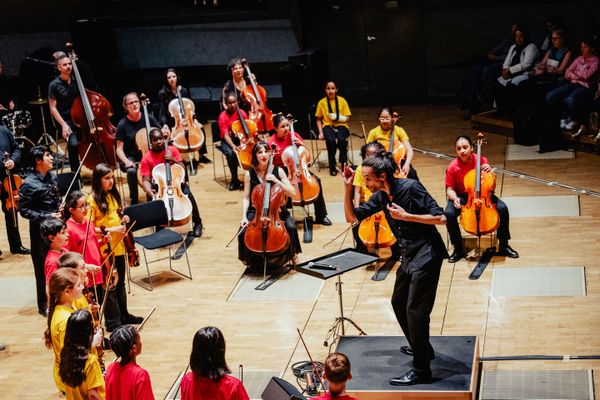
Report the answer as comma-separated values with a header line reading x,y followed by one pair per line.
x,y
266,233
375,231
110,279
11,185
256,96
169,179
90,296
142,136
297,159
479,215
187,134
91,112
133,255
245,130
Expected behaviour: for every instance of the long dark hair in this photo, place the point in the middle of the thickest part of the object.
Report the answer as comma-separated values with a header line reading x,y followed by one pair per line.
x,y
97,192
76,349
121,342
166,86
382,163
71,202
60,280
208,354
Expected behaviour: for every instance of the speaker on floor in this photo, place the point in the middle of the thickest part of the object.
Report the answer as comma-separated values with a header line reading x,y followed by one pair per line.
x,y
279,389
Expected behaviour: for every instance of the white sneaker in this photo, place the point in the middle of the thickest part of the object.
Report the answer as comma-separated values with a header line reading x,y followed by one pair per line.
x,y
571,125
563,123
597,138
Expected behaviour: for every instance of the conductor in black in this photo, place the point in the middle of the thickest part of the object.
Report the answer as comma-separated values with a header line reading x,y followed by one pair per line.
x,y
411,213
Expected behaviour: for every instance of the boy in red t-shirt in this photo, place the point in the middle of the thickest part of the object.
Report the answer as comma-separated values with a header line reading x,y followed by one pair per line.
x,y
155,157
54,232
229,147
337,373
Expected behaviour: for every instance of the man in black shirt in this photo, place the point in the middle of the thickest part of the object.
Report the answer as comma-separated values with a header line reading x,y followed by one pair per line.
x,y
411,213
9,147
62,92
39,199
127,149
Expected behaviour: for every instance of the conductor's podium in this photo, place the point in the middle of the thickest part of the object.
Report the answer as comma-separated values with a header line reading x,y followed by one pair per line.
x,y
377,359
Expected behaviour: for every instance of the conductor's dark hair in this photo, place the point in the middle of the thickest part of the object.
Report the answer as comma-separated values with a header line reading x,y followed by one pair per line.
x,y
382,163
76,349
465,137
208,354
121,342
257,147
51,227
376,146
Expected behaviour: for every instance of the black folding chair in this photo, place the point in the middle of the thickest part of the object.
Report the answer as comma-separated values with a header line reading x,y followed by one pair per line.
x,y
149,215
216,143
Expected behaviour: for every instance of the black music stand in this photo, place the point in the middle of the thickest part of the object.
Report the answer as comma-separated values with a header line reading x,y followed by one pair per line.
x,y
332,265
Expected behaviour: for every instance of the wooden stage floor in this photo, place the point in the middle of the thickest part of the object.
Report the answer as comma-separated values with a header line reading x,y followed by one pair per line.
x,y
262,335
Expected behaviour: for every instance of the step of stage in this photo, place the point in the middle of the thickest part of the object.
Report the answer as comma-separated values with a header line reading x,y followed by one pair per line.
x,y
376,359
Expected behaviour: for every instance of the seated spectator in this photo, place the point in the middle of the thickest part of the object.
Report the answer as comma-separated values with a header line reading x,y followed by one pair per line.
x,y
573,100
519,61
552,23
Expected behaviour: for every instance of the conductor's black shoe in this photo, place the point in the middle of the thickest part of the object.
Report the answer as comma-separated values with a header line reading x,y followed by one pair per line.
x,y
323,221
332,172
234,185
406,350
204,160
506,250
412,377
20,250
197,230
133,320
456,255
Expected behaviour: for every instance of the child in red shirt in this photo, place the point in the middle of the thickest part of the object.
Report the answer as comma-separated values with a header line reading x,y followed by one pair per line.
x,y
54,232
337,373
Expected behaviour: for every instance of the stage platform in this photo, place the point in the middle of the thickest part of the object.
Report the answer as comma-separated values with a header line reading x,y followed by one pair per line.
x,y
376,359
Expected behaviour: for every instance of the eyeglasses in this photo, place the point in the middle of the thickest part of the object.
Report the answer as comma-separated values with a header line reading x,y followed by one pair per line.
x,y
84,207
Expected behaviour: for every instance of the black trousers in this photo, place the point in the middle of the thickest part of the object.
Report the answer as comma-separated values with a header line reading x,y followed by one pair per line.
x,y
412,301
452,214
39,250
232,160
132,180
336,138
73,146
195,212
12,231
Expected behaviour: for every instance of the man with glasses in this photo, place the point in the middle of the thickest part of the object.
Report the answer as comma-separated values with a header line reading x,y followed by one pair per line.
x,y
128,153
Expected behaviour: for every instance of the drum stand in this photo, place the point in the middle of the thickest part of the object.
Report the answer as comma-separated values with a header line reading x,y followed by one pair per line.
x,y
46,138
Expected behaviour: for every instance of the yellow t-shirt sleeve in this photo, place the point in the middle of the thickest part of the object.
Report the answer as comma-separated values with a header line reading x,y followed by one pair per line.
x,y
401,134
321,108
81,304
372,137
358,177
93,375
344,107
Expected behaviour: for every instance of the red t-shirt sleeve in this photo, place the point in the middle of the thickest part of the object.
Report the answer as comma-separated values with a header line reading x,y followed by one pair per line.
x,y
143,387
50,265
146,165
239,392
223,124
451,176
175,154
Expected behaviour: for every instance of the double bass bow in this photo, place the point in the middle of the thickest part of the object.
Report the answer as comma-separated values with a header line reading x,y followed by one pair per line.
x,y
479,215
256,95
187,133
91,112
11,186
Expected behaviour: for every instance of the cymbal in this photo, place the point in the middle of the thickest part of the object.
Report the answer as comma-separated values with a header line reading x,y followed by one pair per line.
x,y
37,102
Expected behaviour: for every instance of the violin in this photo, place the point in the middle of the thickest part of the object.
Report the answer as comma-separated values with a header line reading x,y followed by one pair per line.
x,y
245,130
266,233
90,296
133,255
396,147
375,231
256,96
91,112
11,185
142,136
110,282
479,215
187,133
297,159
169,179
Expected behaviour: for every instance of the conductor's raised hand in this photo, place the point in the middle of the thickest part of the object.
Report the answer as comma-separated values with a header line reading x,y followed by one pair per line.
x,y
397,212
348,175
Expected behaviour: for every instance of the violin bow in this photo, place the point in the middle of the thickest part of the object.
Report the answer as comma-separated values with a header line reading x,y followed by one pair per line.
x,y
62,204
345,231
312,363
240,229
87,229
140,326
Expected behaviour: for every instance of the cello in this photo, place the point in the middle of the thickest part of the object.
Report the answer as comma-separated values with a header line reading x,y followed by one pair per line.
x,y
479,215
397,148
266,233
169,178
187,133
91,112
297,160
256,95
375,231
245,130
11,186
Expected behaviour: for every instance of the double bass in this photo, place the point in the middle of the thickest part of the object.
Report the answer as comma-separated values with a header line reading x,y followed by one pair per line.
x,y
11,186
169,178
142,136
297,160
91,112
187,133
266,233
479,215
256,96
245,130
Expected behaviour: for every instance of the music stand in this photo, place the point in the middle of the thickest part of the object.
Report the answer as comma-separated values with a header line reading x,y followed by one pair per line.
x,y
334,265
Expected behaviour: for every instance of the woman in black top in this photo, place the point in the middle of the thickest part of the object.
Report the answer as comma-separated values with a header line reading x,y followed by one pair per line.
x,y
238,82
169,92
255,176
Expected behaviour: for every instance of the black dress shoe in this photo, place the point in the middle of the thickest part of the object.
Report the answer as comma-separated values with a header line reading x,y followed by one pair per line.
x,y
324,221
20,250
506,250
132,320
197,230
406,350
332,172
204,160
234,185
412,377
456,255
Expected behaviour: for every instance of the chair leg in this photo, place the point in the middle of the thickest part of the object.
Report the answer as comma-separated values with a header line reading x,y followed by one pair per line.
x,y
151,286
187,261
